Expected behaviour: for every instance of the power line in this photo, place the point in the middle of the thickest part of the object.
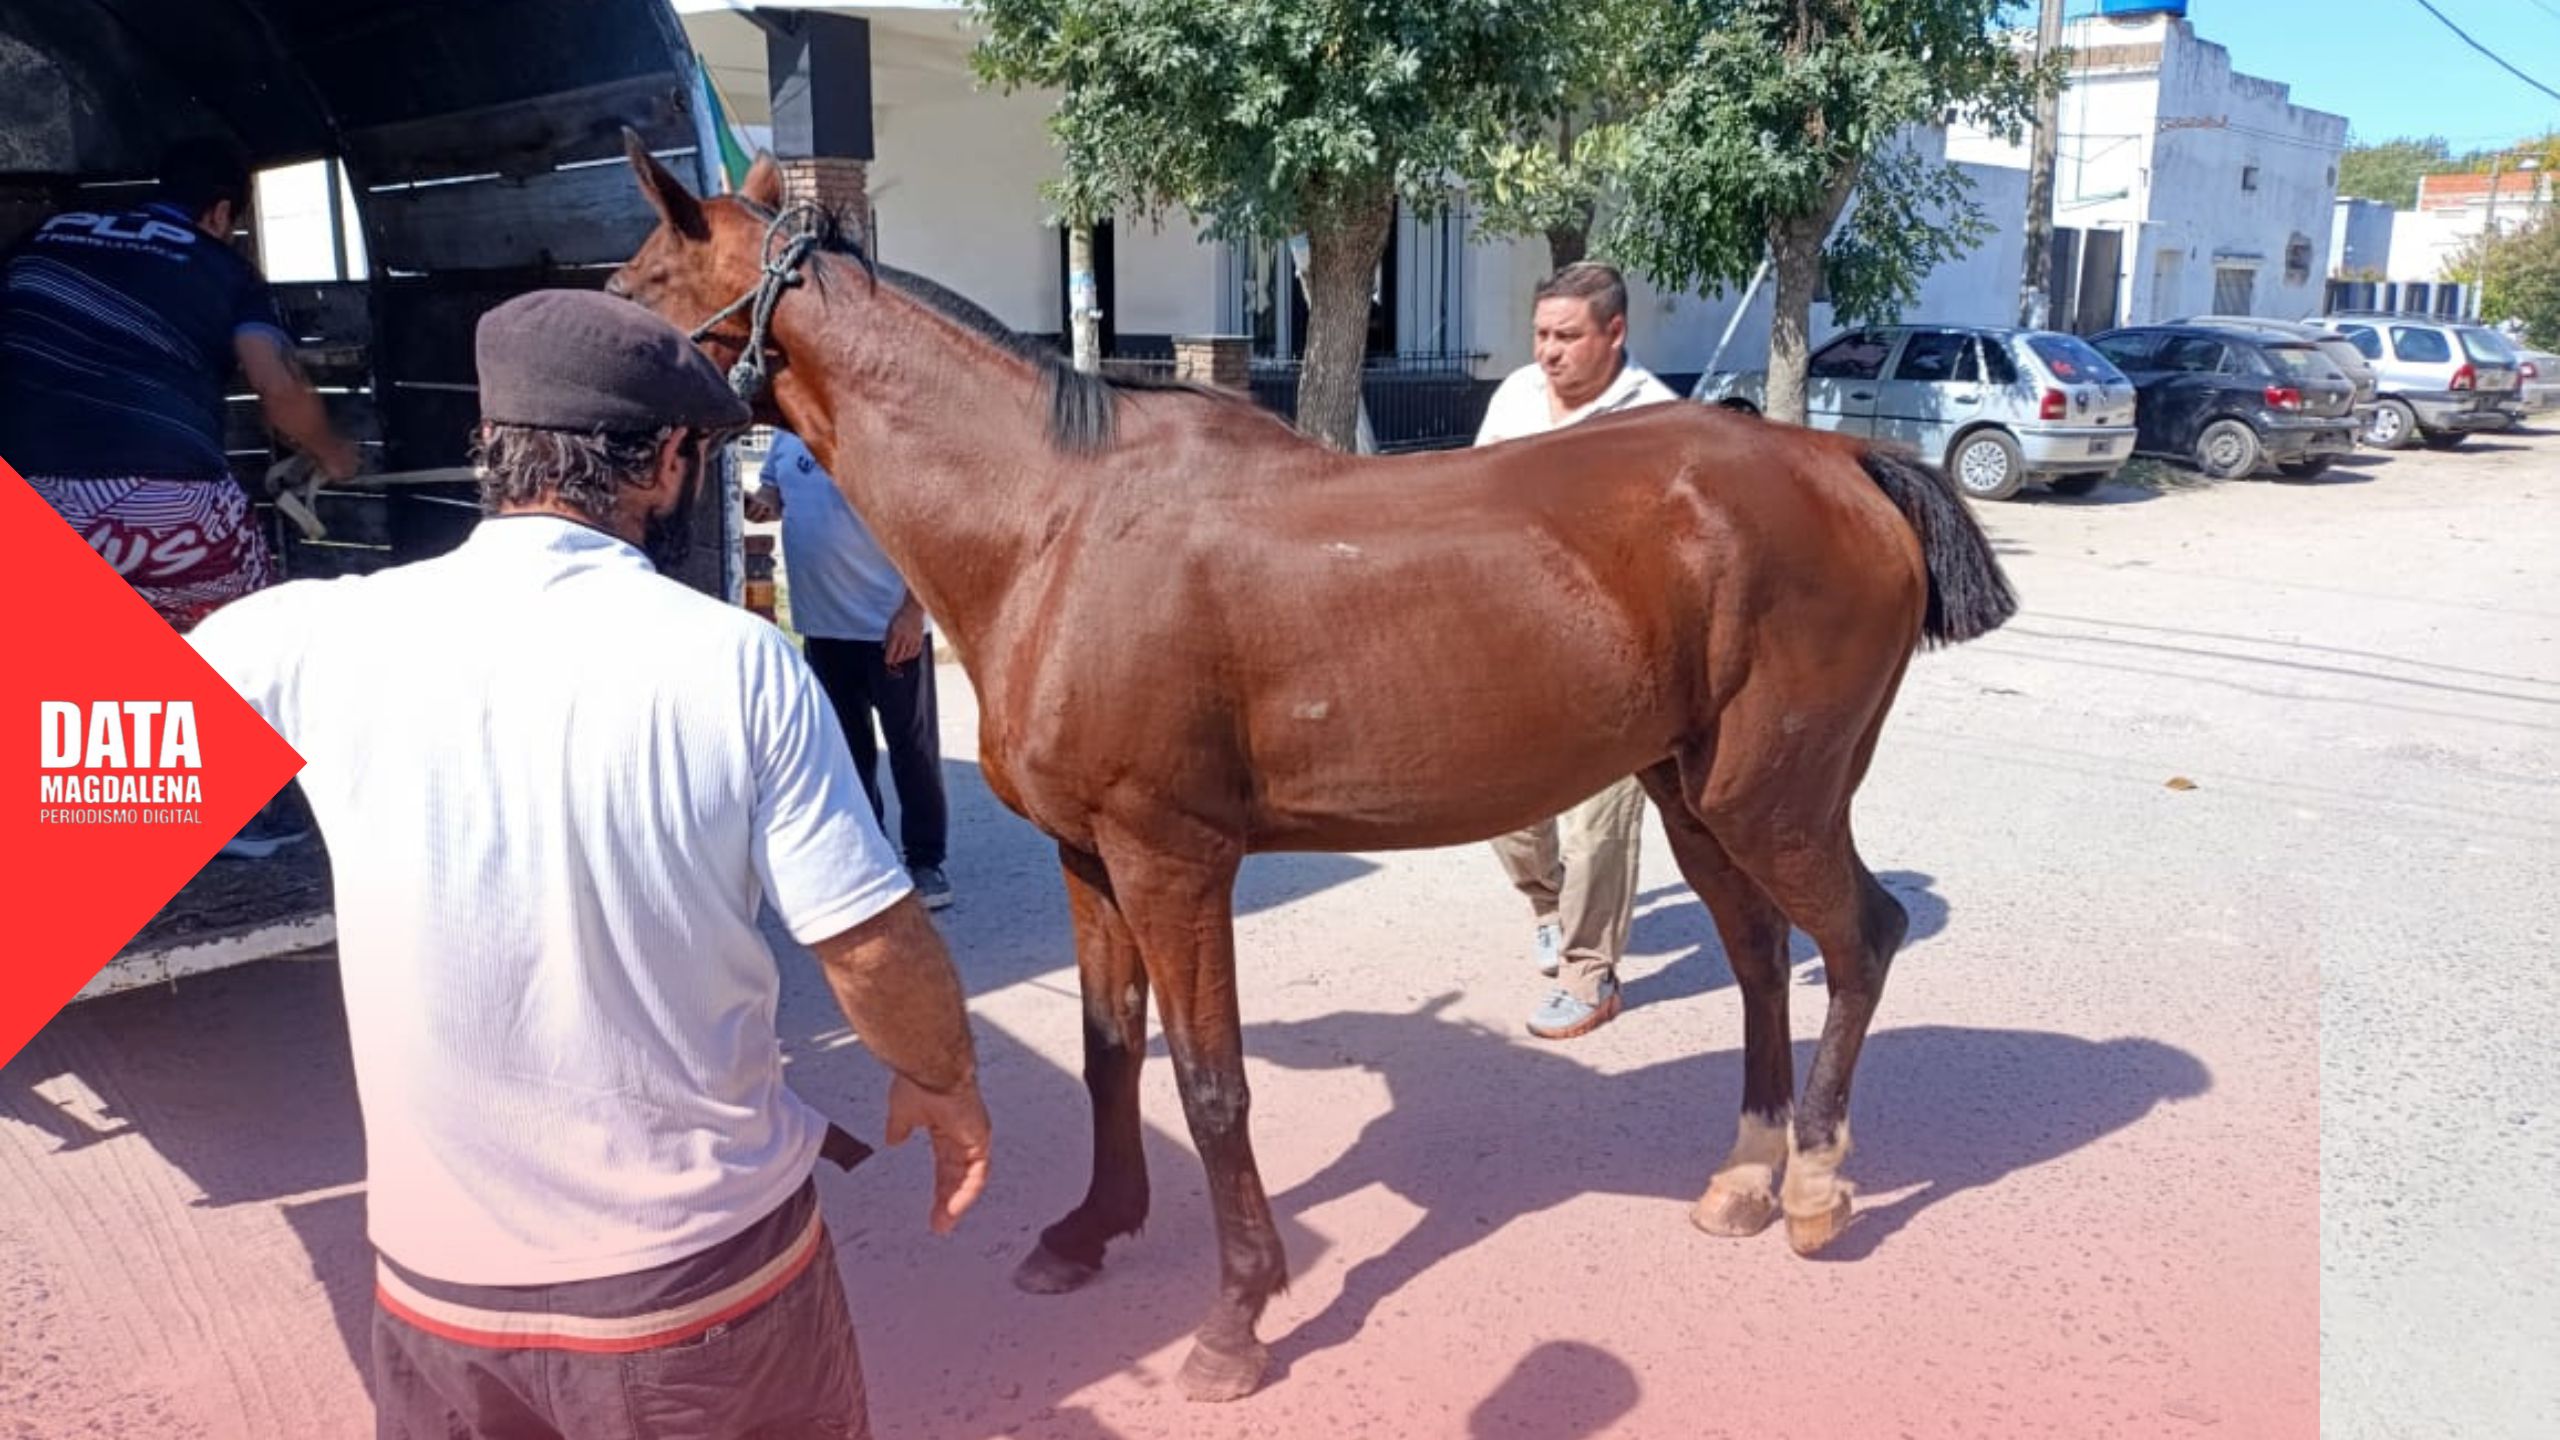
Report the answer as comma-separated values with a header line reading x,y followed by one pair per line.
x,y
2545,7
2500,60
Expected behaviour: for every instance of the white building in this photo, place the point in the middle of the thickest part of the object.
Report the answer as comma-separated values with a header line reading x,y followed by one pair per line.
x,y
2452,212
2360,237
2219,186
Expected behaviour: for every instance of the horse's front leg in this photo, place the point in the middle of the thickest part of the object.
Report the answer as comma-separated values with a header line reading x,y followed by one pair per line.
x,y
1178,895
1115,1046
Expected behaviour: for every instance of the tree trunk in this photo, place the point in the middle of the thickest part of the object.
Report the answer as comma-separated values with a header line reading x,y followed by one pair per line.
x,y
1568,244
1345,242
1795,263
1795,255
1084,297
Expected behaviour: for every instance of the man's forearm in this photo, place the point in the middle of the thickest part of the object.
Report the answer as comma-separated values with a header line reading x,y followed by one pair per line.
x,y
893,978
292,407
298,414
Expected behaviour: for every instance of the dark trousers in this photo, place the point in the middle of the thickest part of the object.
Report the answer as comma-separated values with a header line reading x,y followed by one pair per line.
x,y
859,683
786,1369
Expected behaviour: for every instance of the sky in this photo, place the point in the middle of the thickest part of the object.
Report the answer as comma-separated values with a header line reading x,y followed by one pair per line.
x,y
2390,67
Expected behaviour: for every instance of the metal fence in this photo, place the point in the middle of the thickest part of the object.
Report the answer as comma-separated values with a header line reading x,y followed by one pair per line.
x,y
2445,300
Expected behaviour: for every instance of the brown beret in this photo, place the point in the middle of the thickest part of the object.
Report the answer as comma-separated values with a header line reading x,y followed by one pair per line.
x,y
585,360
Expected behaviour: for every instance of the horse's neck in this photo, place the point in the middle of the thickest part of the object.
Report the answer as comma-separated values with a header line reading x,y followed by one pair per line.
x,y
937,438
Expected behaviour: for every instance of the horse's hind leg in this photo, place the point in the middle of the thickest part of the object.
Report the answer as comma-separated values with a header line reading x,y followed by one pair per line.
x,y
1115,1046
1776,792
1859,926
1179,897
1742,1198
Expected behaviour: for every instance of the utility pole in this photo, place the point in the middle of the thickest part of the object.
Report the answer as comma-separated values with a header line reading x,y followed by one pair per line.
x,y
2488,237
2035,297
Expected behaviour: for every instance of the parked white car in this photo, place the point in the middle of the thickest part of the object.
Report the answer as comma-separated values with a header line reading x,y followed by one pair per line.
x,y
2537,384
1999,407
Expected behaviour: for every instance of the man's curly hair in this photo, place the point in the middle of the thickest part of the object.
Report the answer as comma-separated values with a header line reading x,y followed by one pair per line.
x,y
522,466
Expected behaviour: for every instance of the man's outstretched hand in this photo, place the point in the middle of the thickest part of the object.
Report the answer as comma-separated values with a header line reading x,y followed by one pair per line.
x,y
955,1121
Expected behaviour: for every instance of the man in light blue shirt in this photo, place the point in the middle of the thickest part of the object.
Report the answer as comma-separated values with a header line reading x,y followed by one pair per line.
x,y
867,637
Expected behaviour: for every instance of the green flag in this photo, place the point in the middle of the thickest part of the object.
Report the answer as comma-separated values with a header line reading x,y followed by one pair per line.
x,y
734,159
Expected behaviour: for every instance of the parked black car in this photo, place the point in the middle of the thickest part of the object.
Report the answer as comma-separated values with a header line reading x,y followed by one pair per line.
x,y
2229,401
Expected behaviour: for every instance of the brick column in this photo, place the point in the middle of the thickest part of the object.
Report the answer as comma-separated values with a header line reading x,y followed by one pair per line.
x,y
758,591
837,184
1225,361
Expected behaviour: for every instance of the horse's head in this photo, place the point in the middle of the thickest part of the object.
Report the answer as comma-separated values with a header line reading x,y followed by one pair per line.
x,y
701,268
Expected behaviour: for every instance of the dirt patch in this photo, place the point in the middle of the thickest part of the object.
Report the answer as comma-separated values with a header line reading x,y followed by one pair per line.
x,y
2162,476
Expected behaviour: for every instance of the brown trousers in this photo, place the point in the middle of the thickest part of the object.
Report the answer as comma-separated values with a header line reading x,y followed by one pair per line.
x,y
1579,872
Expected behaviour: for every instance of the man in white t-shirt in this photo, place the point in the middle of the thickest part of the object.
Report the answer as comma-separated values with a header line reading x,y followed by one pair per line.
x,y
867,636
1580,875
557,787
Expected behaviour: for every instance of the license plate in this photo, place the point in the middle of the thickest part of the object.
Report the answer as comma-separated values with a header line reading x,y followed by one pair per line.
x,y
2105,446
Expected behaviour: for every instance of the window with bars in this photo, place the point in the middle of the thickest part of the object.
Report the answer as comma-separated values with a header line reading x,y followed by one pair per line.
x,y
2235,289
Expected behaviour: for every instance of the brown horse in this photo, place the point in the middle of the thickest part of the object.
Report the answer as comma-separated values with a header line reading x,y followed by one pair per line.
x,y
1196,634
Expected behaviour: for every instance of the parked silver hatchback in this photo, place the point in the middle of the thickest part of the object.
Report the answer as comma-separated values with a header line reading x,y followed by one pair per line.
x,y
1998,407
2442,380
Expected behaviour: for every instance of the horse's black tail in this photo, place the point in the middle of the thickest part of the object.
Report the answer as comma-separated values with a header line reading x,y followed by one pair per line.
x,y
1968,595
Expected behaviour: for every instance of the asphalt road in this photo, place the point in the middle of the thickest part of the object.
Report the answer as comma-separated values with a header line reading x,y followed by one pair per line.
x,y
2192,1108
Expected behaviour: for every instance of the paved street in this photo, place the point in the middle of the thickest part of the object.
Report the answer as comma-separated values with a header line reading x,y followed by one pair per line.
x,y
2230,865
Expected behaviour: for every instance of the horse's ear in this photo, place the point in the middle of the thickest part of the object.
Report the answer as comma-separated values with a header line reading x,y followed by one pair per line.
x,y
667,195
763,184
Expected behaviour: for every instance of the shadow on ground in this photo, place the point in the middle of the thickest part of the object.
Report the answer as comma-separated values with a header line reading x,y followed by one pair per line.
x,y
241,1081
1941,1110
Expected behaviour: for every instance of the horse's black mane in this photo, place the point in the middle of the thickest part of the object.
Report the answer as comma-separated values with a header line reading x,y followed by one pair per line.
x,y
1082,407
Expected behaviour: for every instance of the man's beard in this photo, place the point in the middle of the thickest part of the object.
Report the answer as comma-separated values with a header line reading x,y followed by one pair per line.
x,y
668,538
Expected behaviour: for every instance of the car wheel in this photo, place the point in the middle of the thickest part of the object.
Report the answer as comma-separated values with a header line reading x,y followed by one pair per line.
x,y
2227,450
2075,484
2446,439
2394,426
2306,469
1987,466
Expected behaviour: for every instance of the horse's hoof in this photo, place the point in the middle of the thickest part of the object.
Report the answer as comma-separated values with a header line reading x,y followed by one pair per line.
x,y
1734,1214
1217,1376
1808,1234
1045,1272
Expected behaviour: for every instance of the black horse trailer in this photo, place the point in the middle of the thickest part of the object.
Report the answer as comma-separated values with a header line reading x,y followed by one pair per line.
x,y
481,142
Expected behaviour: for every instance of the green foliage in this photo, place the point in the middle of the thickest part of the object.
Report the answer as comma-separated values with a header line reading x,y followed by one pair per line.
x,y
1266,117
2524,279
1551,173
1911,216
2389,170
1764,114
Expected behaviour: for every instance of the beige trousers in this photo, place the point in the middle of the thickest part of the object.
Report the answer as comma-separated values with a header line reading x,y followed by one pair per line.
x,y
1579,872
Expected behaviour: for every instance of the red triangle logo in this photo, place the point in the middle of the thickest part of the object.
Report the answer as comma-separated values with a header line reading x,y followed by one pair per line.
x,y
127,761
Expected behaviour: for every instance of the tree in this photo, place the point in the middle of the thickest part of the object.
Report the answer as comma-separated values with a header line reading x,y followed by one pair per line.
x,y
2524,278
1275,118
1547,177
1768,114
2389,171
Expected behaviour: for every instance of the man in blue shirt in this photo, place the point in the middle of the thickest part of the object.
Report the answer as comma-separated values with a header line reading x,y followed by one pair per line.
x,y
119,333
868,639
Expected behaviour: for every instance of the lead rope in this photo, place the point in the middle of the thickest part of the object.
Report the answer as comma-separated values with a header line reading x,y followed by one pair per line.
x,y
781,272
